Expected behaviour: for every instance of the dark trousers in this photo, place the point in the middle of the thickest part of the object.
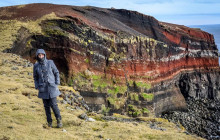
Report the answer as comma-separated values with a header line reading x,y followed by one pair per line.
x,y
51,103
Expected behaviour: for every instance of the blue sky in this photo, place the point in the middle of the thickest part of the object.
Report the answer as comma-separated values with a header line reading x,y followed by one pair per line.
x,y
184,12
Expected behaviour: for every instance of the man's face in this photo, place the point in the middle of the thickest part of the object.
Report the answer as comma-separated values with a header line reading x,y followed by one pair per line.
x,y
40,55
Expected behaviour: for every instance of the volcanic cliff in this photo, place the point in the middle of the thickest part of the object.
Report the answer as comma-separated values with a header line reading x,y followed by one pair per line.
x,y
121,61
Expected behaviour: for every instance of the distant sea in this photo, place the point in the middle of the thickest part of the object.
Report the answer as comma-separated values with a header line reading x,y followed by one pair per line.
x,y
212,29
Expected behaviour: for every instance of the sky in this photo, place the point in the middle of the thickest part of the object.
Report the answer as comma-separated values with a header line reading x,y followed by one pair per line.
x,y
183,12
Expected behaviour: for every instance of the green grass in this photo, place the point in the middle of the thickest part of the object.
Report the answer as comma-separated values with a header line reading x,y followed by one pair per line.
x,y
118,89
145,110
134,96
105,109
112,102
148,97
131,83
49,31
143,85
87,60
115,102
134,111
96,77
99,81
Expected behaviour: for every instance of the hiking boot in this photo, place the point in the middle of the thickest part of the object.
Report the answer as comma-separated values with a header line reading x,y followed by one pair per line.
x,y
59,123
50,124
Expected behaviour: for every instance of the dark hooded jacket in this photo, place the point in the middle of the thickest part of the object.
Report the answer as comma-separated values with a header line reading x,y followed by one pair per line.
x,y
46,77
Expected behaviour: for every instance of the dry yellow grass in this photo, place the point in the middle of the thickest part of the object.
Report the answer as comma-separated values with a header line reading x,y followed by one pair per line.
x,y
9,29
22,117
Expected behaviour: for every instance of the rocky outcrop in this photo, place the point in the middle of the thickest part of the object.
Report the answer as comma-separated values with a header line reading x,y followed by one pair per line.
x,y
130,62
202,117
200,85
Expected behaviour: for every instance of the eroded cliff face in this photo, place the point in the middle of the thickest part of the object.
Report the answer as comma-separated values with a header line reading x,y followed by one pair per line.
x,y
139,64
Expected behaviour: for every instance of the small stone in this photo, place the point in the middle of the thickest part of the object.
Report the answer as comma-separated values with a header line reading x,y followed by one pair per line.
x,y
5,61
187,133
29,64
14,68
64,130
100,136
10,127
68,108
90,120
86,107
87,72
80,98
83,116
68,101
78,108
135,123
64,102
154,126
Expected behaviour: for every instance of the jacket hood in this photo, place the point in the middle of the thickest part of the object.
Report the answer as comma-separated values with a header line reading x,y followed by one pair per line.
x,y
41,51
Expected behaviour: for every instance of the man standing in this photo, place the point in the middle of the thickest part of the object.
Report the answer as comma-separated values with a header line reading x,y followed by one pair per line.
x,y
46,79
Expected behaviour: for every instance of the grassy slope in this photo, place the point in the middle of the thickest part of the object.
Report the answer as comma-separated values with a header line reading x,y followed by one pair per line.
x,y
23,117
9,29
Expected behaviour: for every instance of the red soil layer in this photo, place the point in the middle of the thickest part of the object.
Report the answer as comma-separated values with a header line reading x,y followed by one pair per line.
x,y
177,31
160,70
